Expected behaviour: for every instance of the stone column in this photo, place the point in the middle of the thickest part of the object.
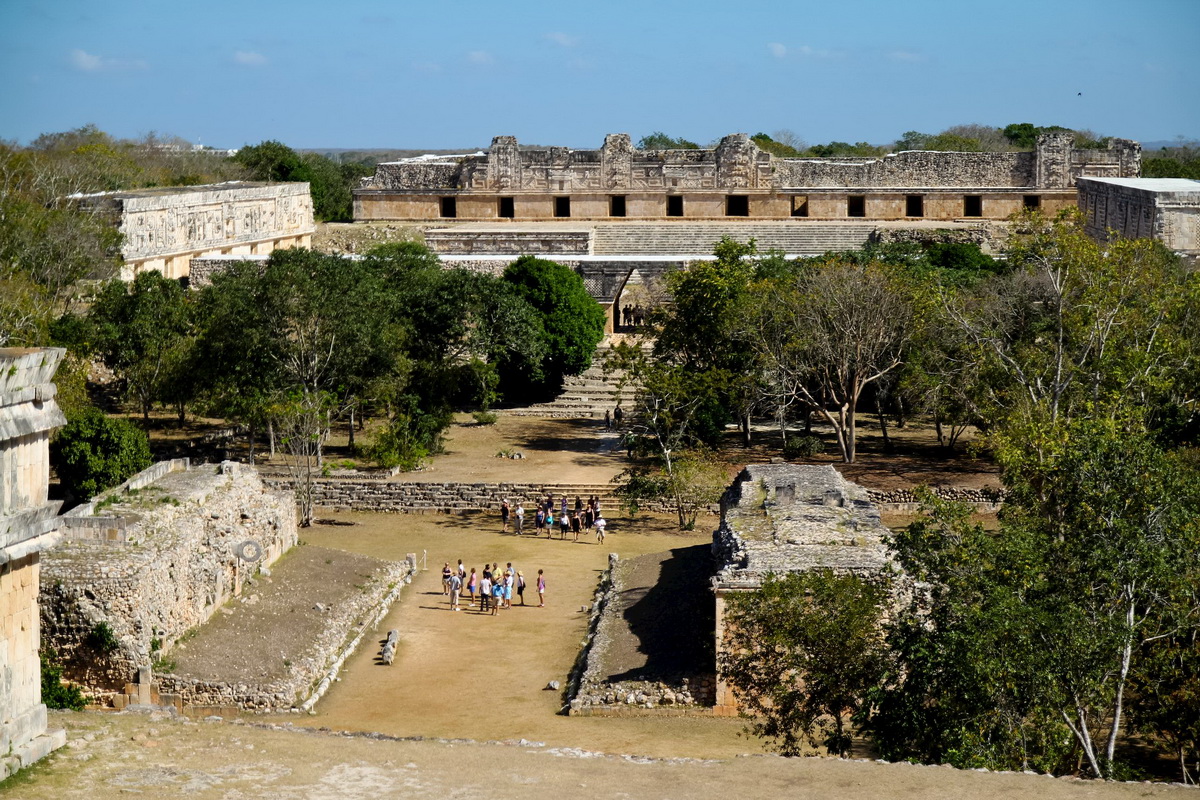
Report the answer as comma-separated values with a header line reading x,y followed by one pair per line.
x,y
1054,160
28,525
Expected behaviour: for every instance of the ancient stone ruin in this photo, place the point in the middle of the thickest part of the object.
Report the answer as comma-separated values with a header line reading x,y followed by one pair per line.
x,y
780,518
141,565
28,526
165,228
1166,209
734,180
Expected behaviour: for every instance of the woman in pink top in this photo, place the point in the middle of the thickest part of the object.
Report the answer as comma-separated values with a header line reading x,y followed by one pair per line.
x,y
541,587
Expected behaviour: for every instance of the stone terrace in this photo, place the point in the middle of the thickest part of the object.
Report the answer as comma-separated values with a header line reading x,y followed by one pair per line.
x,y
781,518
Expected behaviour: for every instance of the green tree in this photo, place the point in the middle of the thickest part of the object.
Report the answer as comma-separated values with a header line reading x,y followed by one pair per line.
x,y
1036,632
572,321
661,141
144,331
802,654
94,452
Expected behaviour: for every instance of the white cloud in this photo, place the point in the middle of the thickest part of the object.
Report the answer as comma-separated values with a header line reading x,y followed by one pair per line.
x,y
906,56
777,50
249,58
564,39
480,57
87,62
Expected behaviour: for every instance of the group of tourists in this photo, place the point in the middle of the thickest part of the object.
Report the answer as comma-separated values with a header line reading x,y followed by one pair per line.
x,y
494,587
633,316
577,520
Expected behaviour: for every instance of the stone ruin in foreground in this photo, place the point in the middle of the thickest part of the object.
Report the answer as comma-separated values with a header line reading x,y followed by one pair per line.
x,y
775,519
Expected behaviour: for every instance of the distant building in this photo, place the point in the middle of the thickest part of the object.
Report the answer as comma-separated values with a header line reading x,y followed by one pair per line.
x,y
165,228
735,180
1166,209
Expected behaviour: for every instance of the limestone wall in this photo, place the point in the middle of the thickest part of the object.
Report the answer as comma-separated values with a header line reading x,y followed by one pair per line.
x,y
165,228
28,526
1164,209
174,563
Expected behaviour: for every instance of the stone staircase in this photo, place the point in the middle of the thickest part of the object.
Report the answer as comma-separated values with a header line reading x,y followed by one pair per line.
x,y
695,239
588,395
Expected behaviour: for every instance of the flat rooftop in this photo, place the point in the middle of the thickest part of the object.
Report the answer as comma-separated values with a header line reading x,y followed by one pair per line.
x,y
1172,185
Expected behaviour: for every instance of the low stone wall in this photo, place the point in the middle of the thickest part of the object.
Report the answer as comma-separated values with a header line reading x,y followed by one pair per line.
x,y
365,494
591,694
173,565
991,497
989,237
346,626
509,243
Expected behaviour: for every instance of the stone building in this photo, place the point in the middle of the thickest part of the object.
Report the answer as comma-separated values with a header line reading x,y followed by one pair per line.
x,y
28,525
1166,209
152,559
780,518
735,180
165,228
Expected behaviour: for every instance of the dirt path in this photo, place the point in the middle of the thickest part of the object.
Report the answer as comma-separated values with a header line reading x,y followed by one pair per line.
x,y
128,755
471,675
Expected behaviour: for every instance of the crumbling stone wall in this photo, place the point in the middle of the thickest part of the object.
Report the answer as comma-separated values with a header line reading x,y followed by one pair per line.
x,y
1166,209
173,562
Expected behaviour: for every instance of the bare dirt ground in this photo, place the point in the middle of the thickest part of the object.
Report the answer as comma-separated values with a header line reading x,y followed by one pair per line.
x,y
140,755
273,624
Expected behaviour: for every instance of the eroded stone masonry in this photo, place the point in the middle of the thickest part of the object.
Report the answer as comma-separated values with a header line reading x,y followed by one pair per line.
x,y
141,565
734,179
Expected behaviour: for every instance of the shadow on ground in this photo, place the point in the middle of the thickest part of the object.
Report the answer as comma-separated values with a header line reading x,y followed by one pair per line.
x,y
669,609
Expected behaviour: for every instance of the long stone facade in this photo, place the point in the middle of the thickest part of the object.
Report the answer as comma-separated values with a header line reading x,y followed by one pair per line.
x,y
1166,209
734,179
780,518
164,229
28,526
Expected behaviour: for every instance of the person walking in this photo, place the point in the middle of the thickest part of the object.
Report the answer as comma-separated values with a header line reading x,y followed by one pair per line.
x,y
455,590
485,592
617,415
562,509
578,504
504,517
472,585
541,589
520,519
539,520
563,528
462,573
601,524
576,524
607,420
521,587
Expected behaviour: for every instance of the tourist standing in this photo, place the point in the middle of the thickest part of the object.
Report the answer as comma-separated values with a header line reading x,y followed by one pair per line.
x,y
617,415
563,506
575,525
497,595
472,585
504,516
564,526
541,589
521,587
539,520
446,573
455,590
601,524
607,420
520,518
485,591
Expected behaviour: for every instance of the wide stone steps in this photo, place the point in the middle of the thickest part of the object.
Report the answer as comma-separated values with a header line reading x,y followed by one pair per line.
x,y
587,395
797,238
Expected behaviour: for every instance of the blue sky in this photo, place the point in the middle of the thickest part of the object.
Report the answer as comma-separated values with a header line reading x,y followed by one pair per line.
x,y
360,73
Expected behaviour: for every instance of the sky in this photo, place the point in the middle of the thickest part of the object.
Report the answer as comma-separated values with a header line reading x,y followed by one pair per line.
x,y
400,74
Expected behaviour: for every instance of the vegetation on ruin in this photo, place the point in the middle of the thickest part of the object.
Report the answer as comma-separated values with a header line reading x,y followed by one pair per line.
x,y
55,693
661,141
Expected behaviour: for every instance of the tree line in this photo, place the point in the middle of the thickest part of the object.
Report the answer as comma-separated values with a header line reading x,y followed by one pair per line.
x,y
1042,645
288,347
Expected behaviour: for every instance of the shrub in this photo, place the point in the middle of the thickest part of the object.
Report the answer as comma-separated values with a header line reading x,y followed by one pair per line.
x,y
102,639
806,445
485,417
56,694
95,452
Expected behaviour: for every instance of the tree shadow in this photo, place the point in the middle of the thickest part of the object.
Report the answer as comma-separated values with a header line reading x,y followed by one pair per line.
x,y
673,619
